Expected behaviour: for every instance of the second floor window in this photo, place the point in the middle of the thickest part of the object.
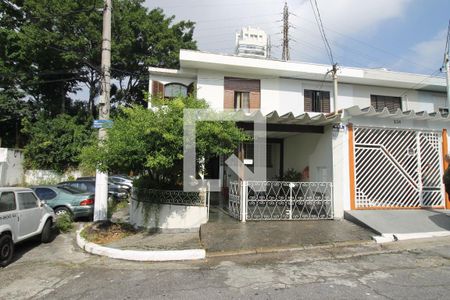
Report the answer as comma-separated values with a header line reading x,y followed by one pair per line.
x,y
317,101
241,100
380,102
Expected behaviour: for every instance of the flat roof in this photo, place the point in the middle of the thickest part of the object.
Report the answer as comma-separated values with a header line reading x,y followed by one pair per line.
x,y
194,60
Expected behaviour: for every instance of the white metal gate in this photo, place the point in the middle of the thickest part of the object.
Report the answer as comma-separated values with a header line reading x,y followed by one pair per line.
x,y
280,200
397,168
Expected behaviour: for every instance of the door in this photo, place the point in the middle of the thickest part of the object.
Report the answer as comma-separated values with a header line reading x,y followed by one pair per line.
x,y
397,168
30,214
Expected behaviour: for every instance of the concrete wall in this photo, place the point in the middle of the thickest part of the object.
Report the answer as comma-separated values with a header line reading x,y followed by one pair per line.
x,y
11,167
165,216
37,177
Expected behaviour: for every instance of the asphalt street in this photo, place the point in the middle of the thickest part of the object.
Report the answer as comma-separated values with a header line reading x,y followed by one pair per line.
x,y
401,270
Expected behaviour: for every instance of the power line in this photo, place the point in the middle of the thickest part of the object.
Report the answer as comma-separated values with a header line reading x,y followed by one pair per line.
x,y
318,17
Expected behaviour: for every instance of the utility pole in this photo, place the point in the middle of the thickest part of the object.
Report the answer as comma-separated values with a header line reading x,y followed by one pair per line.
x,y
447,68
447,64
101,178
335,86
285,55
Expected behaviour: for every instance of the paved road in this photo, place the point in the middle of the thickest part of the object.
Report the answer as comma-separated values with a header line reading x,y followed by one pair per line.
x,y
408,270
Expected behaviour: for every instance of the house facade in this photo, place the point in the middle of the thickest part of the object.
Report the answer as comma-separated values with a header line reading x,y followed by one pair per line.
x,y
379,143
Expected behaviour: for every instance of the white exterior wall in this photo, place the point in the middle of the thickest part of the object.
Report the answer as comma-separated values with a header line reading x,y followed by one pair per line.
x,y
210,87
165,216
169,79
11,167
341,175
309,149
286,94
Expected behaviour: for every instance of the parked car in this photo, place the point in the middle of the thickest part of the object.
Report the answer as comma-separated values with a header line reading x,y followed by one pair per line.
x,y
122,179
114,192
111,183
66,200
22,216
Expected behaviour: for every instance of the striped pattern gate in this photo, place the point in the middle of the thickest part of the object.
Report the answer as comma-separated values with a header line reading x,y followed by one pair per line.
x,y
397,168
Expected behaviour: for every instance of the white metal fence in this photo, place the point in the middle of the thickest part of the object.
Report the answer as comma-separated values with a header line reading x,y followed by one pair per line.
x,y
281,200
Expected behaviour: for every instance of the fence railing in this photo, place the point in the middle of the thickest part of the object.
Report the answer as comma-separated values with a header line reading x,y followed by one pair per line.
x,y
234,200
281,200
175,197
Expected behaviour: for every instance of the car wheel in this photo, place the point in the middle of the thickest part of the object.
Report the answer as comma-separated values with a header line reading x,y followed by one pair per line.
x,y
6,250
46,235
62,211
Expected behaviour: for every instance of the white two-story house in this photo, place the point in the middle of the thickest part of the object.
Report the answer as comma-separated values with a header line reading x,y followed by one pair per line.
x,y
381,147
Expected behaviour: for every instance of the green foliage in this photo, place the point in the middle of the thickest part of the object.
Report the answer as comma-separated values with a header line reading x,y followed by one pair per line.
x,y
150,142
291,175
64,223
56,143
49,48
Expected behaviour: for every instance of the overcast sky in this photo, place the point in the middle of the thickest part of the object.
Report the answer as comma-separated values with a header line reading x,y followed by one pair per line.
x,y
403,35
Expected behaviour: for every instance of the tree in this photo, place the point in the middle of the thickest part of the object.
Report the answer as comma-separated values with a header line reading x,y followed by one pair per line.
x,y
150,142
55,46
56,143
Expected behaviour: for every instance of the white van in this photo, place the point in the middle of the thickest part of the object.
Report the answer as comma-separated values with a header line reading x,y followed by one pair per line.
x,y
22,216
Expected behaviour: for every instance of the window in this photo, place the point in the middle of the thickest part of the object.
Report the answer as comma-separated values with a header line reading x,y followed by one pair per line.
x,y
241,100
173,90
380,102
317,101
45,193
241,93
7,202
249,154
27,200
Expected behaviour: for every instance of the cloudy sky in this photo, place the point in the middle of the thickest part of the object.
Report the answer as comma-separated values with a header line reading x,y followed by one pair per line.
x,y
403,35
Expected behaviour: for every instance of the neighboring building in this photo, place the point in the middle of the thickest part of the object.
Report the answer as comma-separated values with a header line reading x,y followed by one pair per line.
x,y
11,167
383,148
252,42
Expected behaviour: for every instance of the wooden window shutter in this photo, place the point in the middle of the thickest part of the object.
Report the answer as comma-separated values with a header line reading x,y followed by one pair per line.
x,y
191,89
255,100
308,100
228,101
325,102
157,89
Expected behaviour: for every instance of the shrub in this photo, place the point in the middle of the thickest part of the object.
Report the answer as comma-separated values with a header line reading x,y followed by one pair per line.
x,y
64,223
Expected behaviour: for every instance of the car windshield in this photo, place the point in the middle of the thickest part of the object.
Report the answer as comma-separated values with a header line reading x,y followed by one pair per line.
x,y
71,189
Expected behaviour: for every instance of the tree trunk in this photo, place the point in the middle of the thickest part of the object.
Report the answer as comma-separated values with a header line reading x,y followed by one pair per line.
x,y
17,134
63,99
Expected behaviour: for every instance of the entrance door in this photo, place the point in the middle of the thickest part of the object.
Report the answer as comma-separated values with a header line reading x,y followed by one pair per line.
x,y
397,168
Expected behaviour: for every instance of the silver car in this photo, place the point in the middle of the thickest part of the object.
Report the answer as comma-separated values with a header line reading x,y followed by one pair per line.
x,y
22,216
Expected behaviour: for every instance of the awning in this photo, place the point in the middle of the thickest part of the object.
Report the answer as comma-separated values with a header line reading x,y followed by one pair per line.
x,y
312,119
355,111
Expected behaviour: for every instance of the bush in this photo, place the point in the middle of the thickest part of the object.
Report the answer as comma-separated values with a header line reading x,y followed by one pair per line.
x,y
150,142
55,144
64,223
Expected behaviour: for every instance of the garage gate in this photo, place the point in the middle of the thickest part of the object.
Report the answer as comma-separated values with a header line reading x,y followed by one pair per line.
x,y
397,168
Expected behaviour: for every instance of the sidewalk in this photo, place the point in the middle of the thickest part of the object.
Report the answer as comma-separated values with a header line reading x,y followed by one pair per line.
x,y
223,235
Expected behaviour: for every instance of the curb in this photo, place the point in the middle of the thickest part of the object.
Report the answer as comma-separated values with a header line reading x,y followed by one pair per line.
x,y
269,250
138,255
393,237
